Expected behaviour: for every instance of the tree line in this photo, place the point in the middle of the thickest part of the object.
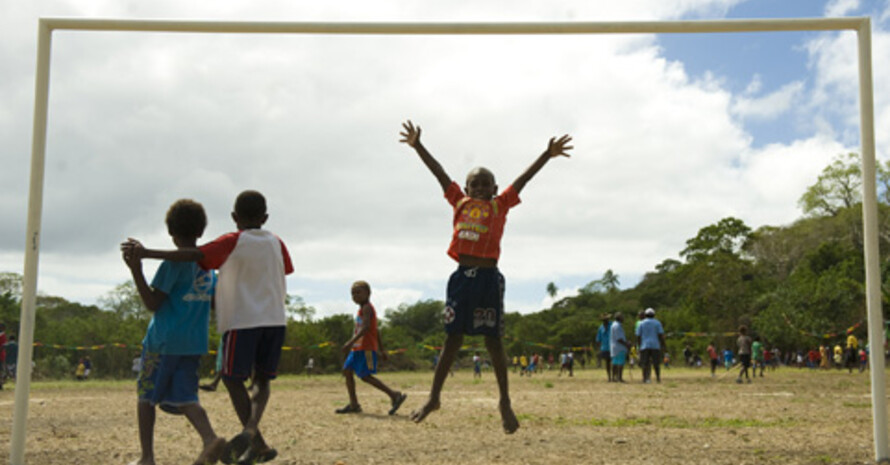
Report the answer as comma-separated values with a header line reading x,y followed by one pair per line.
x,y
796,286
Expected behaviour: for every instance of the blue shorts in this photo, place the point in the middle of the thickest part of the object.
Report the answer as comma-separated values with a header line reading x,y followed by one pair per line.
x,y
475,302
168,380
250,350
362,362
619,359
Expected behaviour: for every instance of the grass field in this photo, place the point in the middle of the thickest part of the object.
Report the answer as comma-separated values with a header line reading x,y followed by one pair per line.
x,y
791,416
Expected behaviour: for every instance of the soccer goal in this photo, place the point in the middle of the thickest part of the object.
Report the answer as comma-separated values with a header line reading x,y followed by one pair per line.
x,y
46,26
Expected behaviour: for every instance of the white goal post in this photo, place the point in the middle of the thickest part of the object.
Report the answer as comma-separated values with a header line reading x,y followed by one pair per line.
x,y
46,26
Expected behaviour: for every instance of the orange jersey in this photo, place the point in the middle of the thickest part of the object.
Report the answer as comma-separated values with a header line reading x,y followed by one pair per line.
x,y
368,341
478,224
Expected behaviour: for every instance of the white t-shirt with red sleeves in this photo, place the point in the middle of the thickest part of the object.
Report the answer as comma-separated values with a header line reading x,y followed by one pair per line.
x,y
250,291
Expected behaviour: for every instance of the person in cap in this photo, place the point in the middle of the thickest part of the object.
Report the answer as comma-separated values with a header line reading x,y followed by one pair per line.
x,y
650,336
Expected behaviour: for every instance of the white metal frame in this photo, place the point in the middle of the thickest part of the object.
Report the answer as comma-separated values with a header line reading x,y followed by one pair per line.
x,y
861,25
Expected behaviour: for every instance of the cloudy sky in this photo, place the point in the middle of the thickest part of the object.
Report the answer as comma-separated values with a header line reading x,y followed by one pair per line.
x,y
672,133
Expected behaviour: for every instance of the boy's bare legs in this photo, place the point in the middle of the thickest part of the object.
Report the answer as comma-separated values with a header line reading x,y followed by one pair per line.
x,y
145,413
350,387
213,444
249,407
495,348
452,344
370,379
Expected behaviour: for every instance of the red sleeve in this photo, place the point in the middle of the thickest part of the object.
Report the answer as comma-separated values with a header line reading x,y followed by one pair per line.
x,y
288,265
509,197
217,251
453,193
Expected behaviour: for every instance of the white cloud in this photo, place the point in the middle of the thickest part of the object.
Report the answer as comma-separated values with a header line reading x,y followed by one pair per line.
x,y
769,106
836,8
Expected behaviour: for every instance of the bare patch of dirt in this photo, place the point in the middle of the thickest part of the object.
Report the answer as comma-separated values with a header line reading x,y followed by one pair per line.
x,y
790,416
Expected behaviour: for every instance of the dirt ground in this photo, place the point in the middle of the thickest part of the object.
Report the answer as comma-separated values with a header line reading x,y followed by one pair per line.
x,y
791,416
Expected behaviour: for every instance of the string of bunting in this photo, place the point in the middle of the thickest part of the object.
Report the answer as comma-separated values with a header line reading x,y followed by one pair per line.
x,y
698,334
830,335
120,345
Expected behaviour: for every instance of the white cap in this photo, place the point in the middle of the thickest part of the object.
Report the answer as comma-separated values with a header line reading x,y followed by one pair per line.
x,y
650,312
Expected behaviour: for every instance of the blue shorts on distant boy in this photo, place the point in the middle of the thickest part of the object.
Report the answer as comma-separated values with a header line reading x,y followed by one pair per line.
x,y
362,362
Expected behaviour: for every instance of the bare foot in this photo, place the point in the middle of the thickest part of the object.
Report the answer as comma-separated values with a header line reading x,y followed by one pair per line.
x,y
211,452
508,418
429,407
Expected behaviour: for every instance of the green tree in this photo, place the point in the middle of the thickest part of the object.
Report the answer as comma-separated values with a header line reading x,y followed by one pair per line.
x,y
552,290
296,307
839,186
125,302
420,319
728,236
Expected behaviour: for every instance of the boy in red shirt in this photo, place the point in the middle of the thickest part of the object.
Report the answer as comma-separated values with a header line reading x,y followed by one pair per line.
x,y
361,352
475,296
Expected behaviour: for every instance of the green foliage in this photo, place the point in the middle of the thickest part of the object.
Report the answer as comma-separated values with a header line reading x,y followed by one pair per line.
x,y
838,187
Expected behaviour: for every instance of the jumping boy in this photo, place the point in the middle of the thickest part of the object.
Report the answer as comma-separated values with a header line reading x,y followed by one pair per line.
x,y
361,352
475,295
250,300
179,298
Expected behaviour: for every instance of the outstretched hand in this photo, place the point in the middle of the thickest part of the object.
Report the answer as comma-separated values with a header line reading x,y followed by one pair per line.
x,y
411,134
132,251
558,147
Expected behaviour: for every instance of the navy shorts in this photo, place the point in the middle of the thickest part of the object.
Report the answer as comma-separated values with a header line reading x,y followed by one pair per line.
x,y
650,357
475,302
168,380
252,350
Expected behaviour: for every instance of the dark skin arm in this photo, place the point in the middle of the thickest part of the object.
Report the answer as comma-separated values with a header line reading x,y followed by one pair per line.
x,y
151,297
411,136
138,251
555,148
366,324
380,348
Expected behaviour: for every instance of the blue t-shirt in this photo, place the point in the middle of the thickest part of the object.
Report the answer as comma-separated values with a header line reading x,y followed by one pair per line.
x,y
617,334
648,331
603,337
180,326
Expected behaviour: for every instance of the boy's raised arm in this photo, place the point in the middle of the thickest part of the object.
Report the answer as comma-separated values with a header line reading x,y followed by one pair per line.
x,y
137,250
411,136
556,147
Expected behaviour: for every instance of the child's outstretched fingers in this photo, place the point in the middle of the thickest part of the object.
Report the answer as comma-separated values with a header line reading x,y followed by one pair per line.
x,y
558,147
411,134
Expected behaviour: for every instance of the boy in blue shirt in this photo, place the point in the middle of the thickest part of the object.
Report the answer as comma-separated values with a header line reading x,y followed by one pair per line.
x,y
603,336
179,298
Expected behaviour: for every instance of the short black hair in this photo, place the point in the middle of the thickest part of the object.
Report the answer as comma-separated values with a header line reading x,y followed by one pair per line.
x,y
250,205
186,218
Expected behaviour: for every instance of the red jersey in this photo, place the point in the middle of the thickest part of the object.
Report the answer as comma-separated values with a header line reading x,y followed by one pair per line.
x,y
368,341
478,224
